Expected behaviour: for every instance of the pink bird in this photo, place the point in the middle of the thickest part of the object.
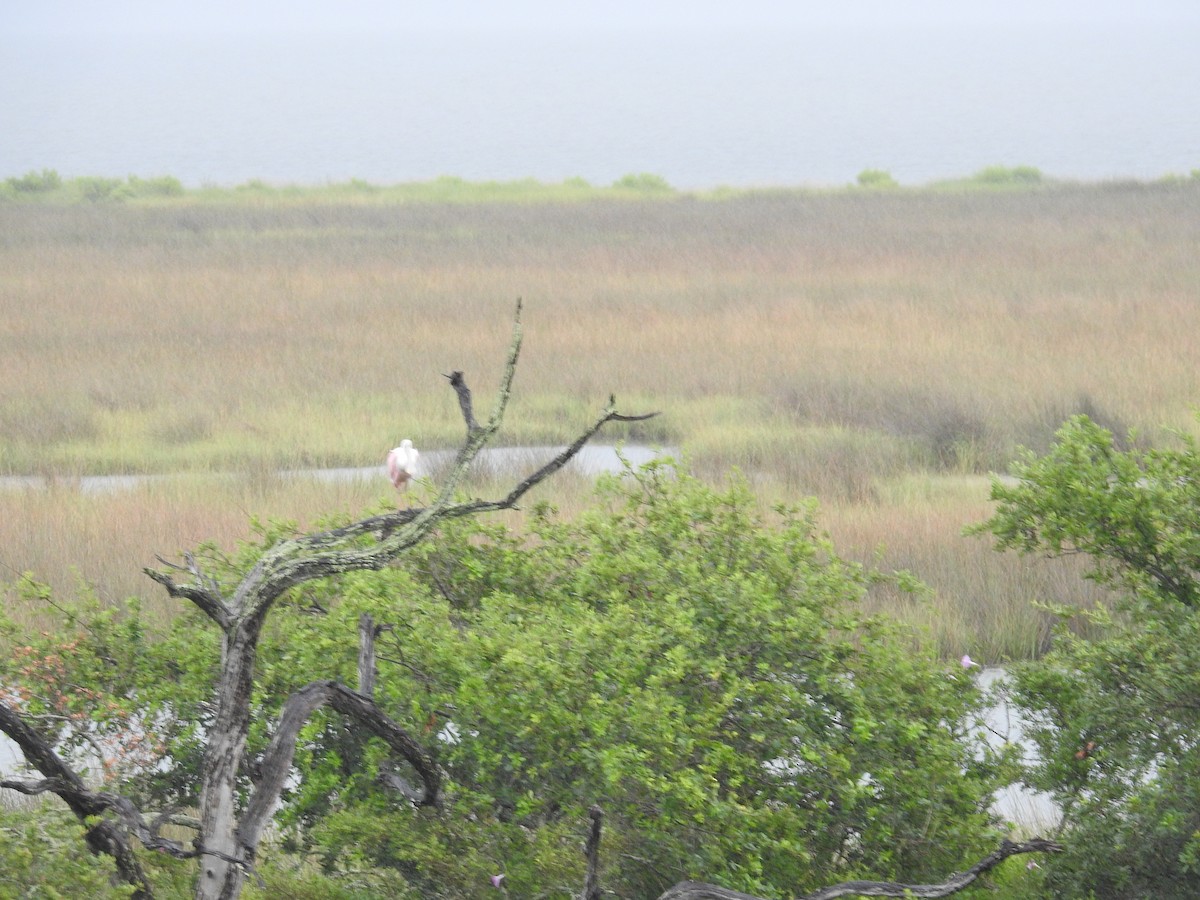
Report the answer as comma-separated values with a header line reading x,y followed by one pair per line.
x,y
966,662
402,464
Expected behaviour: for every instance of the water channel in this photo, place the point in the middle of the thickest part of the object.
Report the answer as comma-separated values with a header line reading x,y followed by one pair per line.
x,y
591,460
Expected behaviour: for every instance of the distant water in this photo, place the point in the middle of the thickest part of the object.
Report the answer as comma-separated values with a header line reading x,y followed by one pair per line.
x,y
817,106
591,460
1033,812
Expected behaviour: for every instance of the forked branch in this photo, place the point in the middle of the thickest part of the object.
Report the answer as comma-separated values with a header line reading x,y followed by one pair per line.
x,y
277,761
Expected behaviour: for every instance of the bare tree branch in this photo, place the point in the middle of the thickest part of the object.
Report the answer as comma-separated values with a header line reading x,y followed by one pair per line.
x,y
699,890
172,816
366,655
608,414
277,760
33,788
464,400
951,885
102,834
208,602
695,890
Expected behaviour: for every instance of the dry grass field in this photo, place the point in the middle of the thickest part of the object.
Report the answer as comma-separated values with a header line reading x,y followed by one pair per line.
x,y
881,350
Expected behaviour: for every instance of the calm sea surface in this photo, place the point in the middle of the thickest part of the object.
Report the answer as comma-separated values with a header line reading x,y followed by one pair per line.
x,y
740,108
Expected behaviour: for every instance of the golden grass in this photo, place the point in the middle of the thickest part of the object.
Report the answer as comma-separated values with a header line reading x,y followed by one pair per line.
x,y
67,538
825,343
980,602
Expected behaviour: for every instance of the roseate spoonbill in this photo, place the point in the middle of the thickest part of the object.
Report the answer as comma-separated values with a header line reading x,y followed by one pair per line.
x,y
402,464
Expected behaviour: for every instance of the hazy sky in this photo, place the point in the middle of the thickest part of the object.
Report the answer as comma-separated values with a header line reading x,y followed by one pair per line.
x,y
702,92
102,17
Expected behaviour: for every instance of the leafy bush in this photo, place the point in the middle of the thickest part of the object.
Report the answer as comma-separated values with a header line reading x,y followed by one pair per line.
x,y
703,675
95,189
876,178
1115,718
644,183
254,186
36,182
162,186
42,851
701,672
1004,176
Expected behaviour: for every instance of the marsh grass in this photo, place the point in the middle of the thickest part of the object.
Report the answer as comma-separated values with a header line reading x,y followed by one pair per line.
x,y
101,542
978,601
823,343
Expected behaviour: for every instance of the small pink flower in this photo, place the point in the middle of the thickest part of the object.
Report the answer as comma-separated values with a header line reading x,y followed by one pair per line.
x,y
967,662
497,880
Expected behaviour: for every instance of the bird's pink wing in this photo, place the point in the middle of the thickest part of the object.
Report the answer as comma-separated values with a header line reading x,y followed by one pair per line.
x,y
393,467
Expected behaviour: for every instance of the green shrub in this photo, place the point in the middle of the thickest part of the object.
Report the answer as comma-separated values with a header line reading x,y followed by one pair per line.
x,y
1115,717
255,186
36,182
1004,176
96,189
42,854
876,178
162,186
703,675
644,183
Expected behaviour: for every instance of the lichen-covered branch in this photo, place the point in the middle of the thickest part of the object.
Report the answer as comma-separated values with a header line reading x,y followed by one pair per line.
x,y
321,555
202,596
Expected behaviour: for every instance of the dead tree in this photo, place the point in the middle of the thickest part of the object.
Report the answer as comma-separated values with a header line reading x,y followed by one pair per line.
x,y
228,838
